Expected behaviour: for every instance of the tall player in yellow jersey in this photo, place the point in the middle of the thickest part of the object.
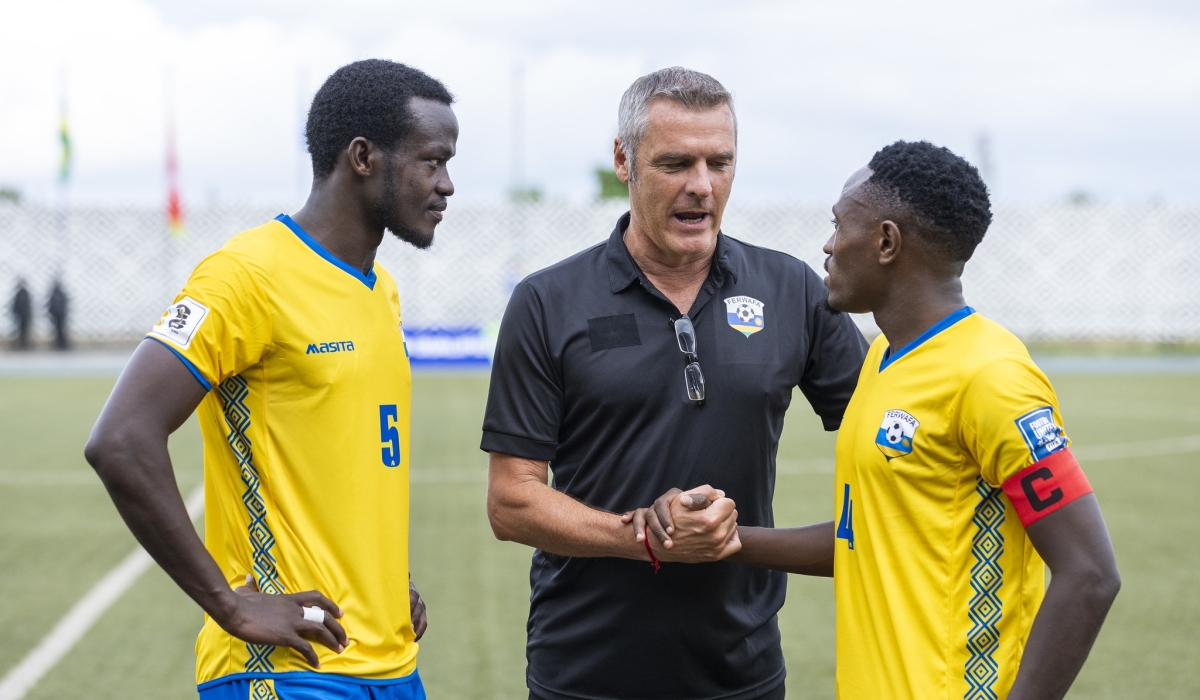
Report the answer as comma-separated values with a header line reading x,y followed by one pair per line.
x,y
954,479
288,343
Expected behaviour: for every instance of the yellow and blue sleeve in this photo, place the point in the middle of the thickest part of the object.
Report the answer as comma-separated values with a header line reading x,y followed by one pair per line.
x,y
220,323
1009,419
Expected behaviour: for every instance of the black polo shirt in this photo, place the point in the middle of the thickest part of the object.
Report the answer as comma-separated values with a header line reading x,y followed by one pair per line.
x,y
588,375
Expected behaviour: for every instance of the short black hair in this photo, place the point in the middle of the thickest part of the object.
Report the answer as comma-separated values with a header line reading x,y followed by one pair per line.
x,y
368,99
941,193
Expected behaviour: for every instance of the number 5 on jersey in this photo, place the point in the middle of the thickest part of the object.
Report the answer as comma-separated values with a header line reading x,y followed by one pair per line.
x,y
389,435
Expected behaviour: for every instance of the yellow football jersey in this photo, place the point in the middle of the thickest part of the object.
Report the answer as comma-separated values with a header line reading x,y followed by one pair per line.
x,y
306,443
937,584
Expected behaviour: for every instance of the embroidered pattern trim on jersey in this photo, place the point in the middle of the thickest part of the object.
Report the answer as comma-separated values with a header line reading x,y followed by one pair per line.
x,y
262,689
984,608
233,392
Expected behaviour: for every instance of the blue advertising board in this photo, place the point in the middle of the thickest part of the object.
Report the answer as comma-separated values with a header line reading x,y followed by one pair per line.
x,y
465,347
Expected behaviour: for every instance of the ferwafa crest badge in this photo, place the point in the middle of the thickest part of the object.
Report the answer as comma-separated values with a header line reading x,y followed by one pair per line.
x,y
745,314
896,433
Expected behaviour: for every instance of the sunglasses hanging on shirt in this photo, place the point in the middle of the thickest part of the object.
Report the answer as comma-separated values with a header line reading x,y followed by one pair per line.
x,y
693,378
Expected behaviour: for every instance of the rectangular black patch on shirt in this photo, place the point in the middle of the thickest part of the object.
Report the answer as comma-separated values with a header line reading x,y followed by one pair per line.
x,y
613,332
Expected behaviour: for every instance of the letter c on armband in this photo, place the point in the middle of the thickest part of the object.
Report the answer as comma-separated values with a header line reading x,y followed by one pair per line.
x,y
1045,486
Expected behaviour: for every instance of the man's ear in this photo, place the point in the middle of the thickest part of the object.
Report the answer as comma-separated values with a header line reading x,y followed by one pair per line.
x,y
890,241
620,162
359,153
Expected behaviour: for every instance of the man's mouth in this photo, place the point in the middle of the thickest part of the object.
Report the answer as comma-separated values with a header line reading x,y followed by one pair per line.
x,y
691,218
437,209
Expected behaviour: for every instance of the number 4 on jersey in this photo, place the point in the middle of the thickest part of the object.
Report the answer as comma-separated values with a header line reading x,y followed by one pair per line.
x,y
845,528
388,435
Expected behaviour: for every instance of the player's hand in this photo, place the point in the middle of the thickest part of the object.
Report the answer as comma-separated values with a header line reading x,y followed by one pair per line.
x,y
278,620
694,526
657,518
416,608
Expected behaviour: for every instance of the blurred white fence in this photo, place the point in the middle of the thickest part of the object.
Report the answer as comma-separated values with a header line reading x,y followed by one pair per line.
x,y
1057,273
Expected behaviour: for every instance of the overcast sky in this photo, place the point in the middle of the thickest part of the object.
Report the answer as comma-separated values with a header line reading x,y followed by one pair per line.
x,y
1070,95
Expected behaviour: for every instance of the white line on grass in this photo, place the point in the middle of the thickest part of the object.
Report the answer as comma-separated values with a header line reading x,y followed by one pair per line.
x,y
69,630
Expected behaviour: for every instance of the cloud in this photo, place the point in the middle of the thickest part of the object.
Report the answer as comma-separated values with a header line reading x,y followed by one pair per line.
x,y
1073,94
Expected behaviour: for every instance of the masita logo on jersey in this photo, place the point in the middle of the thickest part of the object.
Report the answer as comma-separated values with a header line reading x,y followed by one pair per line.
x,y
895,437
745,314
180,322
335,346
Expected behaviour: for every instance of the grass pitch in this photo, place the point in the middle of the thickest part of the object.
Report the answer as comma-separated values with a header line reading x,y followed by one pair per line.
x,y
59,534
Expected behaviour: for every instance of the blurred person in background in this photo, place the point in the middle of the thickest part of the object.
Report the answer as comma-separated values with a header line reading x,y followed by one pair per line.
x,y
956,487
58,307
289,343
22,314
666,356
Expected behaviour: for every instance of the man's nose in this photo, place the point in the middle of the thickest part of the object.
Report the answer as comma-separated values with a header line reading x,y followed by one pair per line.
x,y
445,186
700,183
828,247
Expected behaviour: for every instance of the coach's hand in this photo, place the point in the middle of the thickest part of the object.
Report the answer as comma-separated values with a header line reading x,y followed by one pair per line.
x,y
657,518
416,608
699,525
278,620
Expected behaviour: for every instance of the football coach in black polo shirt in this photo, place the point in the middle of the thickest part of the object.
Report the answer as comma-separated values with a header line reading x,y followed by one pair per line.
x,y
664,357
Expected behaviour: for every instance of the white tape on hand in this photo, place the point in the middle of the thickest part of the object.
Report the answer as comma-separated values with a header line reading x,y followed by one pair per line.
x,y
314,614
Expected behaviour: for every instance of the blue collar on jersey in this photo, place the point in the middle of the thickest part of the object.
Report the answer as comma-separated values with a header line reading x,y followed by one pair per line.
x,y
311,242
889,357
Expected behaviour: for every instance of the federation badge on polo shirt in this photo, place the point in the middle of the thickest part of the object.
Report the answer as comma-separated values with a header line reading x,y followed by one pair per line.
x,y
745,314
896,432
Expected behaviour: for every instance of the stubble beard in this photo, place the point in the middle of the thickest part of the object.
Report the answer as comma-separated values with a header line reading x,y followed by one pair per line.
x,y
386,213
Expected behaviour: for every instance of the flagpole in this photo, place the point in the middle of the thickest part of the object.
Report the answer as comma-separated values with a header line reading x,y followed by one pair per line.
x,y
64,178
174,205
173,211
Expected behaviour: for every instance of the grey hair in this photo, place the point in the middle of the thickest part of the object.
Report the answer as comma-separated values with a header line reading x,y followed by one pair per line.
x,y
688,88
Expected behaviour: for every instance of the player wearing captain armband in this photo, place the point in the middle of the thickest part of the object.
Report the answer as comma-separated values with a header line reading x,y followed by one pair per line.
x,y
955,479
287,343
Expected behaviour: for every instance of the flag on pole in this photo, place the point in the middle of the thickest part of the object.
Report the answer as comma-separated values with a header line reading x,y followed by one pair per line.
x,y
174,207
64,138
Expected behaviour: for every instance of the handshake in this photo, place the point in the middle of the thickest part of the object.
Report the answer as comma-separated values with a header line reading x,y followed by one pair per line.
x,y
693,526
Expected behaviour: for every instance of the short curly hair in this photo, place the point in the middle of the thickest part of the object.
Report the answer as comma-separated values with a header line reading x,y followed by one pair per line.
x,y
368,99
937,191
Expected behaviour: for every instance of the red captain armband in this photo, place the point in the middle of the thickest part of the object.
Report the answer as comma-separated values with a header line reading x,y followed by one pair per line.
x,y
1045,486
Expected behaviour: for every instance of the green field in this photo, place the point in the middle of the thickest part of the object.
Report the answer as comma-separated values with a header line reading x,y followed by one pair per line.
x,y
59,534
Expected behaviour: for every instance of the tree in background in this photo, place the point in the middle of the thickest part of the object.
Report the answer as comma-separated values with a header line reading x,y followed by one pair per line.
x,y
611,186
526,194
1080,198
